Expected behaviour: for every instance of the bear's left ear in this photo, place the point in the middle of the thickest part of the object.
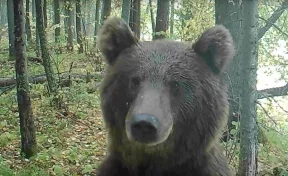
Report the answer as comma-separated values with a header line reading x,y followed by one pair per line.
x,y
114,37
216,47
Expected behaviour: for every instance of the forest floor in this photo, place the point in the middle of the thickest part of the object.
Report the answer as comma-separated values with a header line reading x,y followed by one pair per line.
x,y
71,141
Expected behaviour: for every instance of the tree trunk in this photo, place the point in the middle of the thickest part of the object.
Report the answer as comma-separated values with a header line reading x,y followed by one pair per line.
x,y
45,13
97,12
1,19
57,19
44,49
126,6
27,24
84,17
70,27
135,15
229,14
249,62
37,41
10,15
78,26
172,17
3,11
90,17
27,129
152,17
33,10
106,10
161,19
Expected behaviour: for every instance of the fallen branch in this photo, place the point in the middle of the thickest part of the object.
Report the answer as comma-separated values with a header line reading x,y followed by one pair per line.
x,y
38,79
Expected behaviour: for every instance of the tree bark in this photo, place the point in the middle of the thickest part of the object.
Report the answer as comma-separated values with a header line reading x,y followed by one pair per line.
x,y
57,20
78,26
106,10
3,12
97,19
172,17
135,16
33,10
44,49
45,13
27,129
27,24
162,19
249,62
126,6
10,16
152,17
37,41
229,15
70,27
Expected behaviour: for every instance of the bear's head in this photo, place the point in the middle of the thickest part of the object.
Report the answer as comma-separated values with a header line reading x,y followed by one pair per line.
x,y
160,91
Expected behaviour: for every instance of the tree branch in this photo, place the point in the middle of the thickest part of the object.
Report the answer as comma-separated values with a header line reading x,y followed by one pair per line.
x,y
272,19
272,24
273,92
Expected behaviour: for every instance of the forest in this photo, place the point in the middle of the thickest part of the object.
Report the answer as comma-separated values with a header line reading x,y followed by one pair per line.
x,y
51,71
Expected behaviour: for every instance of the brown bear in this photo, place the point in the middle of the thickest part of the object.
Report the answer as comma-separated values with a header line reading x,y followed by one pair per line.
x,y
164,103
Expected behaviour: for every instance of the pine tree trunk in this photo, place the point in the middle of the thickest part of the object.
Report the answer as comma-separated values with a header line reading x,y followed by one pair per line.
x,y
249,62
10,15
78,26
162,19
27,129
27,24
57,19
126,6
97,21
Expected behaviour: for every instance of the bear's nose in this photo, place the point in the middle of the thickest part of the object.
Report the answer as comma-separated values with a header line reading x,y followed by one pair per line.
x,y
144,127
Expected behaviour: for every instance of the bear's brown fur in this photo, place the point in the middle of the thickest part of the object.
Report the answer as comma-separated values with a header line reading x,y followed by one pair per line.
x,y
164,103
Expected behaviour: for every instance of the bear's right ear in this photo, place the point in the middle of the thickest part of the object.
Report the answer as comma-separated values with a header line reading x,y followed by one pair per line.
x,y
216,47
115,36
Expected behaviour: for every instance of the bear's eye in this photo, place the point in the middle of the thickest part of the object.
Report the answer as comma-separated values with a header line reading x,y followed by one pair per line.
x,y
135,81
174,85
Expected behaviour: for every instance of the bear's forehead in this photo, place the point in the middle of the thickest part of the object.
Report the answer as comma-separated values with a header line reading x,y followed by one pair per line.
x,y
158,60
158,54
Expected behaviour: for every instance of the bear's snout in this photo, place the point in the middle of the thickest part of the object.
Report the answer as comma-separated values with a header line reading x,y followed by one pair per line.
x,y
144,128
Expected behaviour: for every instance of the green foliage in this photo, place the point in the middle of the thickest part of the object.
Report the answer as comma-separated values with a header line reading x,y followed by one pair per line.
x,y
29,171
192,19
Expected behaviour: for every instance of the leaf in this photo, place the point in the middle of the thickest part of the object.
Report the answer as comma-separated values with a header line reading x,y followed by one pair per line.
x,y
58,170
3,123
87,169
